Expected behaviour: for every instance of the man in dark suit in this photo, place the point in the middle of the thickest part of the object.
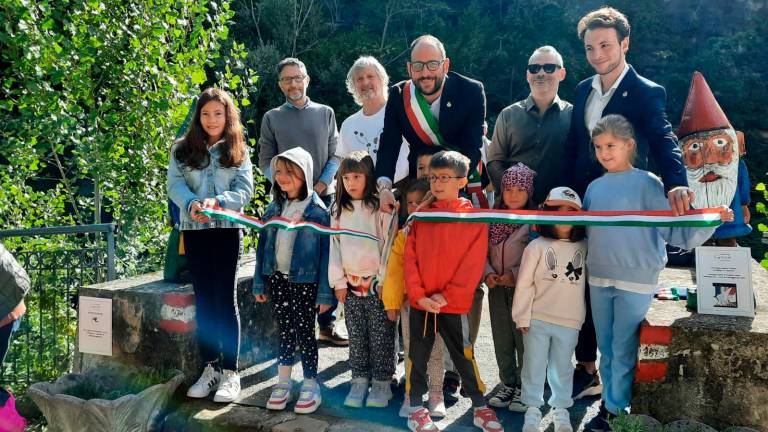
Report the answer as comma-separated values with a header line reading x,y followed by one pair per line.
x,y
616,89
456,102
434,110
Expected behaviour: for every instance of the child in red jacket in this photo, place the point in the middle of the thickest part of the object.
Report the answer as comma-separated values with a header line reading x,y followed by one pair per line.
x,y
443,263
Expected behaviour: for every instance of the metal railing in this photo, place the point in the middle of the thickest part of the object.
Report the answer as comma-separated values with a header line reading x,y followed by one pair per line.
x,y
71,257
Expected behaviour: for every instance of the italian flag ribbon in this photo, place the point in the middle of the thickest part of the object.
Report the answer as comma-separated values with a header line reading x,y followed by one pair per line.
x,y
693,218
280,223
425,125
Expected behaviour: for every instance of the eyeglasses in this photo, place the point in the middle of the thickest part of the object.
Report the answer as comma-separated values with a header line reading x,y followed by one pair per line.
x,y
431,65
548,68
289,79
442,178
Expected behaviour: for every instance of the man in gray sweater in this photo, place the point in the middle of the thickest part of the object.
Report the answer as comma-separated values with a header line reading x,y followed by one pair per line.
x,y
300,122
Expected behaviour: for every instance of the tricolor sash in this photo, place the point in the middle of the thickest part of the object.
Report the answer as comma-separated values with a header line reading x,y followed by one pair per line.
x,y
426,127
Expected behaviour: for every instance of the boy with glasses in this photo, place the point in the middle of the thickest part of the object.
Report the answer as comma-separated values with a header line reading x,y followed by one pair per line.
x,y
440,290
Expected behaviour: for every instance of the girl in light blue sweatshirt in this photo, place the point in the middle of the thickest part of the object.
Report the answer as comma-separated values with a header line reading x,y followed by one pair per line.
x,y
624,262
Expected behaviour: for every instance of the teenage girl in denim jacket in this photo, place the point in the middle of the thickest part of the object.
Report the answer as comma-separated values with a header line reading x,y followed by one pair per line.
x,y
210,165
292,269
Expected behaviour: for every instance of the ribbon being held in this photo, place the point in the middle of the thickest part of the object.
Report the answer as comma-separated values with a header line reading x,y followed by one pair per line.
x,y
279,222
693,218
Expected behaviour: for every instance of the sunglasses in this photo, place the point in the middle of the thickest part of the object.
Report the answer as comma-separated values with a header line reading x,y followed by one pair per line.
x,y
548,68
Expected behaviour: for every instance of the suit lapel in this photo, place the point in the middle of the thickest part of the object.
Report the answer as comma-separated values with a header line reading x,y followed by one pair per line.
x,y
447,103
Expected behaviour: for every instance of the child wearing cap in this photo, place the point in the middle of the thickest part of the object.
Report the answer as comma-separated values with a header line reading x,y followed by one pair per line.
x,y
549,310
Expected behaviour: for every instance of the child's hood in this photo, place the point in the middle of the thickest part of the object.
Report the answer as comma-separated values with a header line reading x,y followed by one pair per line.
x,y
300,157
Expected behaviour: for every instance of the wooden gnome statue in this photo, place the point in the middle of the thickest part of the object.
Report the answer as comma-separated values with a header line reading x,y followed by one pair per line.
x,y
711,149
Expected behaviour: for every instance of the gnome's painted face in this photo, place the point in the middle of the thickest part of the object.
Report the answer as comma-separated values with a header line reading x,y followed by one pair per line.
x,y
712,163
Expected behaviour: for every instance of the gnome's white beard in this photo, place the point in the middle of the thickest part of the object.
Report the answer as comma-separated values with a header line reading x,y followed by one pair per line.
x,y
715,193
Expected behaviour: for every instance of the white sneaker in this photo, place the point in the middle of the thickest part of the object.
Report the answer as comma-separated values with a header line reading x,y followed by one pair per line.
x,y
357,392
436,405
207,382
405,408
281,395
309,398
380,394
229,388
562,420
532,420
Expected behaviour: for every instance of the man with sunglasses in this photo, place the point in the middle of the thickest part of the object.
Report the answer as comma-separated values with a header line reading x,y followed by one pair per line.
x,y
434,110
533,131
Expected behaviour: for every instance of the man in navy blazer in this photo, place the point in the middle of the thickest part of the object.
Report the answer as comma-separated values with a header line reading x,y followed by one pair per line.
x,y
616,89
456,101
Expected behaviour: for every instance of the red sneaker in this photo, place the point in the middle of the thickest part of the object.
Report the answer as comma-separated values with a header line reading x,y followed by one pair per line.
x,y
419,421
485,419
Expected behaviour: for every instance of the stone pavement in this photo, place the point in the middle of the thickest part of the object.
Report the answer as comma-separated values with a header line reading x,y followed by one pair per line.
x,y
248,412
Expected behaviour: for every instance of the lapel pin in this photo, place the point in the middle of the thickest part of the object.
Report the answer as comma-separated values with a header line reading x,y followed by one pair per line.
x,y
448,104
624,94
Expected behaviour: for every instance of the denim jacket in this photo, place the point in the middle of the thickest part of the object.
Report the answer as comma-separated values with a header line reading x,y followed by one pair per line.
x,y
309,263
232,187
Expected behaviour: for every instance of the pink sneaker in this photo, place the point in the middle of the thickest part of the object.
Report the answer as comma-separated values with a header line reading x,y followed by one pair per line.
x,y
10,420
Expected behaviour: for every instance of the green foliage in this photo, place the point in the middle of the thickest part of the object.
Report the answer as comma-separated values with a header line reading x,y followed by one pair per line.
x,y
626,423
761,209
93,92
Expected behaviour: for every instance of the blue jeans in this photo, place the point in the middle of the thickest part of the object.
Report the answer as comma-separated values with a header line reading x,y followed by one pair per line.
x,y
547,354
617,314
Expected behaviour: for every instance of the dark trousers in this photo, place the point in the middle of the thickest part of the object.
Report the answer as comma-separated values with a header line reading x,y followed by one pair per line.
x,y
454,329
212,255
5,338
5,342
293,305
586,348
371,338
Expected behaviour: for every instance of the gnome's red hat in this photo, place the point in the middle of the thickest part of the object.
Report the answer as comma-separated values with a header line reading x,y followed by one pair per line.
x,y
702,112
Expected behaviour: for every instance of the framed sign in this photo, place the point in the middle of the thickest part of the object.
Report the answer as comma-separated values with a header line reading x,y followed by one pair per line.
x,y
724,280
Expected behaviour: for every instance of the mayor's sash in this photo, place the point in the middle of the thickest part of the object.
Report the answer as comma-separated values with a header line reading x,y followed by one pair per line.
x,y
425,125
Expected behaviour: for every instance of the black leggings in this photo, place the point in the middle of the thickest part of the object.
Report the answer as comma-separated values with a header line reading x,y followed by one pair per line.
x,y
293,305
212,255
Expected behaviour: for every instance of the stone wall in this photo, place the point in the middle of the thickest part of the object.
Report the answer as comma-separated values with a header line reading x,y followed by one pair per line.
x,y
708,368
153,323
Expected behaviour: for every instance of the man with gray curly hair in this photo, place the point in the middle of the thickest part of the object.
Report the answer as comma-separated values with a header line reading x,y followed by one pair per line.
x,y
368,83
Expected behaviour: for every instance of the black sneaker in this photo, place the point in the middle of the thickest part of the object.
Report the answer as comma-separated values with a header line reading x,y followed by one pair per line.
x,y
333,337
508,397
599,423
450,387
585,383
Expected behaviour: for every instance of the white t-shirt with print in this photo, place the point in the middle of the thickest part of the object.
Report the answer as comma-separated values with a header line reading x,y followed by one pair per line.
x,y
362,132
